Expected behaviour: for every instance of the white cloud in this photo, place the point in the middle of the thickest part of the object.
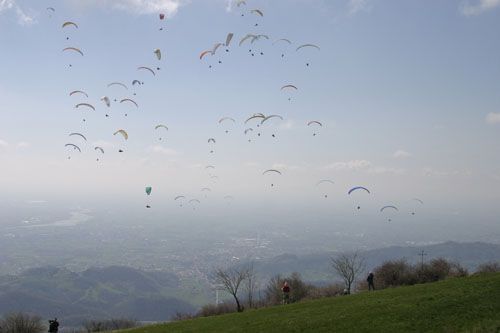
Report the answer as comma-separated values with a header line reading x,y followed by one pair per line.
x,y
283,166
356,6
354,165
22,17
103,144
382,170
478,7
493,118
427,171
287,125
22,145
162,150
167,7
401,154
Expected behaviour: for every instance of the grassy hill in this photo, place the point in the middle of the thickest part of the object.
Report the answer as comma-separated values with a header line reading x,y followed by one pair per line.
x,y
469,304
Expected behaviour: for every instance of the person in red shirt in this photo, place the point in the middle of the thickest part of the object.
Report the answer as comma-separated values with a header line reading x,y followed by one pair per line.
x,y
286,293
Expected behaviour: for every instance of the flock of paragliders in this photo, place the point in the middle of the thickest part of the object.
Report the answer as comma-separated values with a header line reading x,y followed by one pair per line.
x,y
252,123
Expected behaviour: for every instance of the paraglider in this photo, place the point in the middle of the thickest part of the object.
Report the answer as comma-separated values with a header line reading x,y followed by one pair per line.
x,y
358,188
325,181
161,126
272,171
162,16
282,40
136,82
229,38
106,101
255,116
157,52
316,123
289,86
389,207
225,119
247,37
99,149
204,53
148,193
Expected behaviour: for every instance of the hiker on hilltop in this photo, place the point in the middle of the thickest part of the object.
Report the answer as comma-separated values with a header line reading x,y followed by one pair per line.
x,y
369,279
53,326
286,293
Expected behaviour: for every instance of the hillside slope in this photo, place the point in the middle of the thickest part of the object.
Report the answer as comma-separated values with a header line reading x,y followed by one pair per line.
x,y
454,305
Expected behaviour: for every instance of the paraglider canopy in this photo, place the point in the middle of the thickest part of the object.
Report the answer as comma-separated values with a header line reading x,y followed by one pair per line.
x,y
148,190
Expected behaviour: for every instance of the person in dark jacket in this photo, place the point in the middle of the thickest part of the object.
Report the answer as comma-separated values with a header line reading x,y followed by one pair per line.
x,y
286,293
369,279
53,326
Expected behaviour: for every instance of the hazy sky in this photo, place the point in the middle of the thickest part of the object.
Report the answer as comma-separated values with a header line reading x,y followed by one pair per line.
x,y
408,93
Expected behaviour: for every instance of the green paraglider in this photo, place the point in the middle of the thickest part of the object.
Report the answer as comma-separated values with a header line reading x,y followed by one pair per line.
x,y
148,190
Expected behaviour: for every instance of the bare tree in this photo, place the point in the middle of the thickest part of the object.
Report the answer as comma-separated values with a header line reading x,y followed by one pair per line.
x,y
348,266
231,280
250,285
21,323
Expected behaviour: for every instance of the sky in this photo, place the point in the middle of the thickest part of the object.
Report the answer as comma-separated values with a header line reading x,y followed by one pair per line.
x,y
407,92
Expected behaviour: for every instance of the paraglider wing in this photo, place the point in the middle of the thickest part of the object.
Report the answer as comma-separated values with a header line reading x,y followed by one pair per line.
x,y
73,49
209,167
67,23
162,16
136,82
179,197
282,40
216,47
85,104
256,116
390,206
123,133
418,200
147,69
78,92
257,12
271,171
229,38
130,101
206,189
52,9
270,117
148,190
80,135
74,146
194,200
100,149
211,140
118,84
248,130
289,86
204,53
314,122
226,118
240,2
161,126
308,45
358,188
246,38
325,181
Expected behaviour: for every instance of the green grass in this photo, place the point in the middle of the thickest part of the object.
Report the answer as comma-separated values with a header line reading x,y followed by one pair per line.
x,y
469,304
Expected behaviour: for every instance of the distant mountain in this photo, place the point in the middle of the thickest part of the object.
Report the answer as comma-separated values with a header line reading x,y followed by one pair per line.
x,y
316,267
96,293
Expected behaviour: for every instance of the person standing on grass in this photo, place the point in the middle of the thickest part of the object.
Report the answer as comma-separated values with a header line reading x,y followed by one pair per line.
x,y
369,279
286,293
